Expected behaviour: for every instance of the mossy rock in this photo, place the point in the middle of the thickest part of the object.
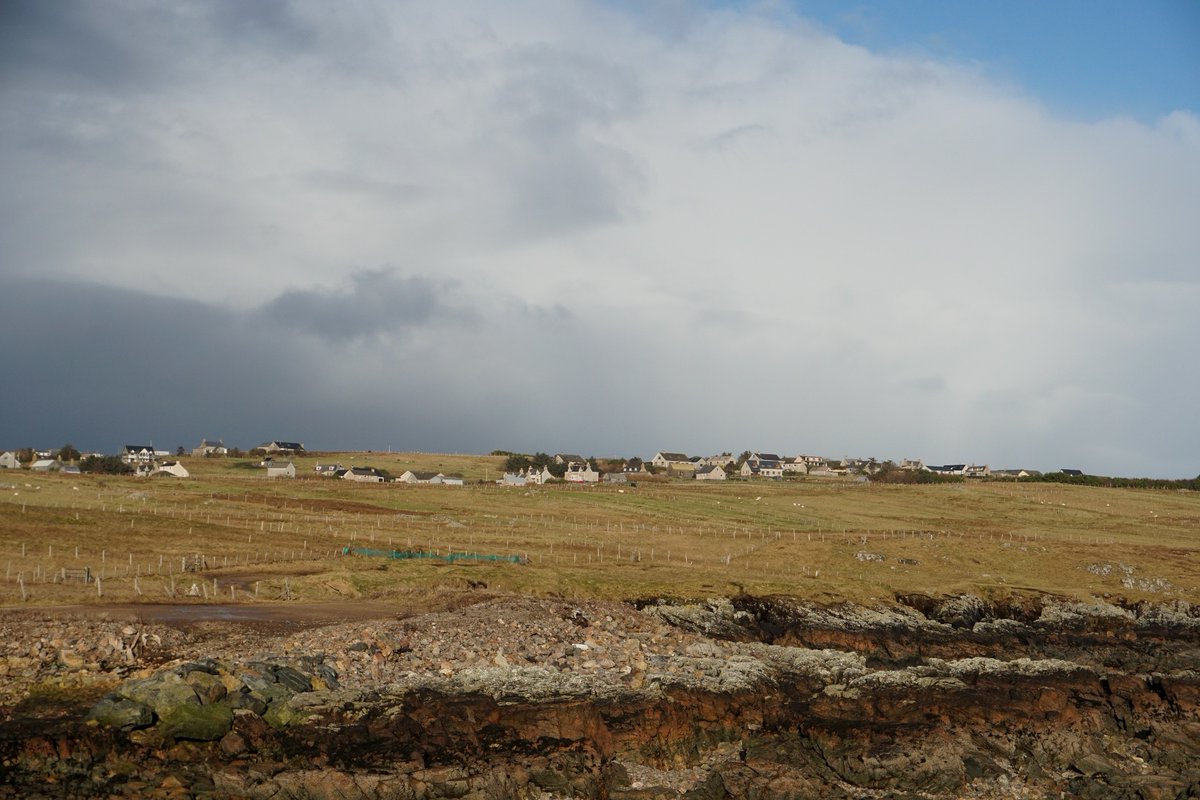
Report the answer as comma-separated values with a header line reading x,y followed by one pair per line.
x,y
114,711
197,723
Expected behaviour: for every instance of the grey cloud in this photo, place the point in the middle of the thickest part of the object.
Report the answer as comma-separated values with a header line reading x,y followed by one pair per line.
x,y
377,302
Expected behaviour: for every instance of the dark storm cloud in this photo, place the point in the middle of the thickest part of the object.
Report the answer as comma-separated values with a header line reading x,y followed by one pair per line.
x,y
377,302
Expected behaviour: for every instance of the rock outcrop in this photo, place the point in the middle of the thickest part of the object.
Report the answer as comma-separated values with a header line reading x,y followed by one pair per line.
x,y
601,701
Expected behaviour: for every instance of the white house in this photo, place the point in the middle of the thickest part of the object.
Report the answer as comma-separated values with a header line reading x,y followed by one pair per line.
x,y
664,460
363,475
535,477
711,472
581,472
328,470
796,466
138,454
281,447
411,476
9,460
449,480
762,468
512,479
567,459
46,465
279,470
172,468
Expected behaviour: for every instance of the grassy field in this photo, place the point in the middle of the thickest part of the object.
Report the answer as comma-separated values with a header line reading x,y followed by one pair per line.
x,y
229,534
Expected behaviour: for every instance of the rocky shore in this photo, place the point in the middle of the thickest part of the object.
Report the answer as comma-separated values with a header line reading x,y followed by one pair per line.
x,y
501,696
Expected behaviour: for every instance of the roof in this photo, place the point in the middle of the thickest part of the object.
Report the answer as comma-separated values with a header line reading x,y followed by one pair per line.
x,y
673,456
423,476
287,445
569,457
767,457
707,470
137,448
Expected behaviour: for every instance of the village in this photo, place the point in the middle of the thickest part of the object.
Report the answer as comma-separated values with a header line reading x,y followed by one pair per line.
x,y
277,459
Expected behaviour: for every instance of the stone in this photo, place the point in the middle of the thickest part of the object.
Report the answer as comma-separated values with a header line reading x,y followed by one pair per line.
x,y
114,711
196,722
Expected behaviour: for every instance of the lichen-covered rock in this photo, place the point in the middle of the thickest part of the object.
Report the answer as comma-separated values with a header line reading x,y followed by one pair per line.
x,y
199,723
114,711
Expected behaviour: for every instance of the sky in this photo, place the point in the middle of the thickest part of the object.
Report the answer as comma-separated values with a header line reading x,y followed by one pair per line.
x,y
960,232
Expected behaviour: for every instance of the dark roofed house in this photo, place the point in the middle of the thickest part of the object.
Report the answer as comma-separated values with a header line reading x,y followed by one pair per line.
x,y
568,459
1074,473
364,475
282,447
138,454
664,460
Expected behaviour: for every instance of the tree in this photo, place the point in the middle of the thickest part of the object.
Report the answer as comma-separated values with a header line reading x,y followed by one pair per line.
x,y
68,453
516,462
179,451
106,465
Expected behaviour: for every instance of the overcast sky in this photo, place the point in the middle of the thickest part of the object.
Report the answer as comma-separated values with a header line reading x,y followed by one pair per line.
x,y
605,227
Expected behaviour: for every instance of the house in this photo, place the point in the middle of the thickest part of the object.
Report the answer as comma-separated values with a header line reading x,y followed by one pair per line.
x,y
9,460
279,470
664,460
581,472
686,469
719,460
614,477
795,466
281,447
976,471
364,475
138,454
71,469
46,465
1014,473
568,459
762,468
1074,473
756,459
172,468
449,480
328,470
412,476
712,472
949,469
513,479
545,476
913,465
207,449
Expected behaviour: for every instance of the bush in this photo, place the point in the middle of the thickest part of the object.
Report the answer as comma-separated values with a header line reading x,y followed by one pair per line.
x,y
105,465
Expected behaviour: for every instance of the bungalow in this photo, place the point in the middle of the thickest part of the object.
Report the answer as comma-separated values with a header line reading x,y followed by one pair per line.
x,y
614,477
976,471
412,476
138,454
172,468
756,459
364,475
46,465
9,460
1074,473
581,472
328,470
712,472
664,460
279,470
568,459
949,469
449,480
207,449
281,447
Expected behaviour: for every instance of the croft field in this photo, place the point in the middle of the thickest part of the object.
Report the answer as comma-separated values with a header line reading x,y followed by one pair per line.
x,y
230,535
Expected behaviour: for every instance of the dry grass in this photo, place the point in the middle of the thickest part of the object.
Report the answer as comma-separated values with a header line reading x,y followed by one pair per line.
x,y
676,538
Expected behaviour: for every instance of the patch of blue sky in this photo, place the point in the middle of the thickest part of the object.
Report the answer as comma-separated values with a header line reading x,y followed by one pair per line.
x,y
1084,59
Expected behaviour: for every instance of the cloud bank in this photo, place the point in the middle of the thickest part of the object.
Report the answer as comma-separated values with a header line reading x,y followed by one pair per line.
x,y
569,226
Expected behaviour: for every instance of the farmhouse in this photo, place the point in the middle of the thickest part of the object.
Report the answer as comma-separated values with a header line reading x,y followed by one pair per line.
x,y
512,479
329,470
711,472
545,476
762,468
364,475
173,468
46,465
449,480
9,460
796,466
279,470
207,449
568,459
282,447
412,476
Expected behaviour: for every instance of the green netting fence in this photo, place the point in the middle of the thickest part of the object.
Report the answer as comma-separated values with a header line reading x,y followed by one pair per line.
x,y
448,557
